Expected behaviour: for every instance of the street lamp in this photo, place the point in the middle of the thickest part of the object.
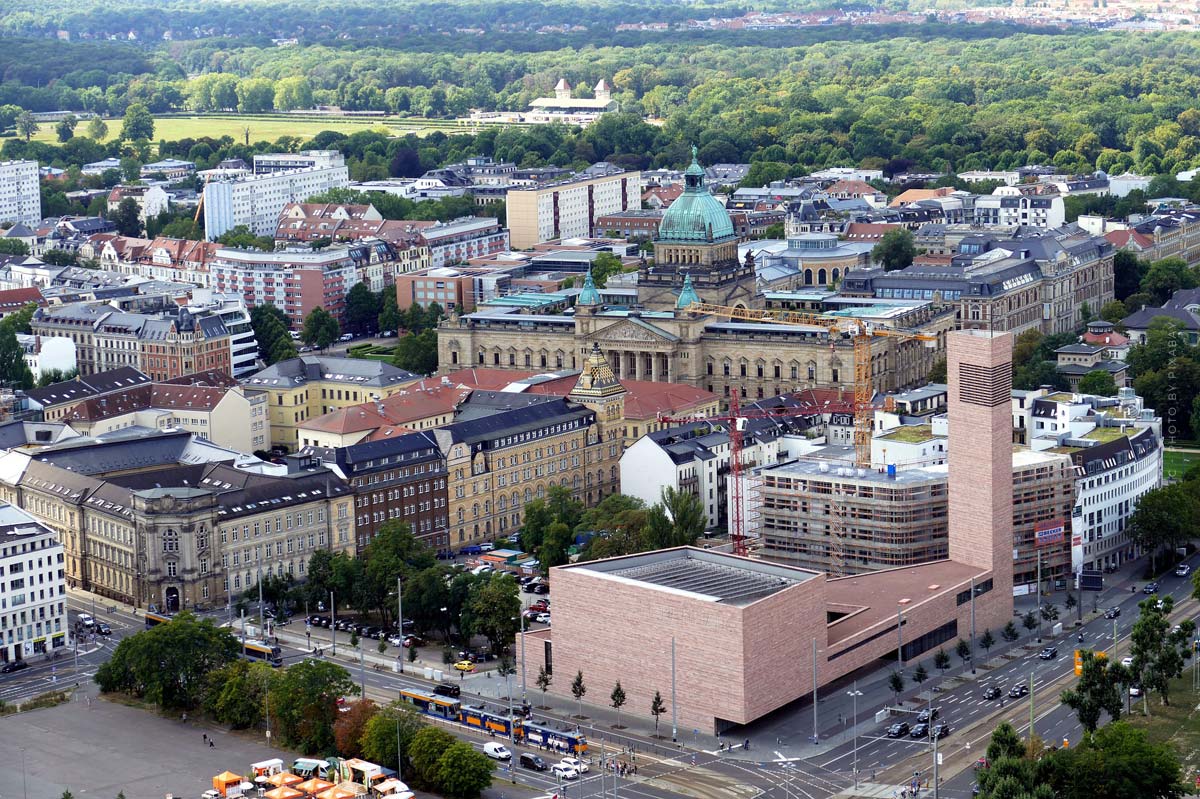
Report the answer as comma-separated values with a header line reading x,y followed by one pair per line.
x,y
854,694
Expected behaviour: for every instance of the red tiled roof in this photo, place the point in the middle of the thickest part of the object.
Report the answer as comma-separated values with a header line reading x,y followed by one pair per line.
x,y
646,399
16,299
409,405
1106,339
347,420
487,379
854,188
827,400
867,231
916,195
1128,238
146,397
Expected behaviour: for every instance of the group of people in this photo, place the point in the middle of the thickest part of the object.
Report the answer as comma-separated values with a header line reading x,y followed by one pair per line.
x,y
620,767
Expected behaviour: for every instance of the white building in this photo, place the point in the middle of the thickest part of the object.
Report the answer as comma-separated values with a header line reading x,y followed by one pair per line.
x,y
848,173
268,163
459,240
979,176
48,353
231,308
1006,206
568,208
257,200
1121,185
33,592
151,200
20,193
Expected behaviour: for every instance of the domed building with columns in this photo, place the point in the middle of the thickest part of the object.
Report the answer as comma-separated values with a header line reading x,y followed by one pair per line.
x,y
658,338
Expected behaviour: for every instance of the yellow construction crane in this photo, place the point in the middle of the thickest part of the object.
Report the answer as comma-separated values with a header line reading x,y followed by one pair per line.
x,y
858,331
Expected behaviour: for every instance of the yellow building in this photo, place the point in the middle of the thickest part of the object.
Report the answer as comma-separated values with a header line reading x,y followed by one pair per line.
x,y
311,385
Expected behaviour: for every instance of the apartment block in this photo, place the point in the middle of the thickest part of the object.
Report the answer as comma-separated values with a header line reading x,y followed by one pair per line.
x,y
460,240
33,601
256,200
569,208
20,193
294,281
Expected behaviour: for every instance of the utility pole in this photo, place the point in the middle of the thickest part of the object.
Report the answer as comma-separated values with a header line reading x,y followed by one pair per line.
x,y
332,625
816,738
1031,705
855,694
262,629
900,638
674,714
1039,595
524,698
362,668
972,629
243,629
935,758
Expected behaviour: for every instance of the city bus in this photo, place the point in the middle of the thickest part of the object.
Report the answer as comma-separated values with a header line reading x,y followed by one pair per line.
x,y
269,653
154,619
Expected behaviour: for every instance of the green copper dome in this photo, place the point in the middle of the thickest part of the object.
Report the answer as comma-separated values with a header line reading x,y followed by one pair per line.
x,y
696,216
589,295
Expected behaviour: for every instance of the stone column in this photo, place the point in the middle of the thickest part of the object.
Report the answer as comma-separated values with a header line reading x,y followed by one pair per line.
x,y
637,365
654,366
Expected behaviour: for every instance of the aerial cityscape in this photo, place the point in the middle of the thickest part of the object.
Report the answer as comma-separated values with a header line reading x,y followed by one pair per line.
x,y
562,400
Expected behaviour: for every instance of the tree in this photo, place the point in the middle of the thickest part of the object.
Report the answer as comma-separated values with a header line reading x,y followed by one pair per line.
x,y
677,520
1005,743
1118,761
349,728
941,660
1049,612
1098,691
362,309
963,650
137,124
493,610
553,551
920,675
987,641
14,247
97,130
1098,382
389,313
937,373
293,94
896,683
236,693
1113,311
417,353
579,690
895,250
65,129
543,681
1009,633
1159,651
1163,519
617,697
395,724
463,771
303,703
657,708
167,665
14,372
242,238
320,328
1029,621
27,126
424,752
127,217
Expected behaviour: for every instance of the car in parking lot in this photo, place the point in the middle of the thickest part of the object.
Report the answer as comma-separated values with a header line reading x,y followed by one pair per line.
x,y
537,588
1048,653
1183,570
919,730
576,764
542,618
487,546
465,665
929,714
564,771
1151,588
540,605
497,751
13,665
1112,612
939,731
1018,690
898,730
1135,690
346,337
992,692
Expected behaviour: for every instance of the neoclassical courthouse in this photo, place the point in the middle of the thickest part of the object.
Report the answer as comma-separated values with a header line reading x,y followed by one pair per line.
x,y
696,256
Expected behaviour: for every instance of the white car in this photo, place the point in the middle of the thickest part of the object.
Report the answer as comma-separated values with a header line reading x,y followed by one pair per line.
x,y
487,546
1183,570
542,618
1127,662
564,771
576,764
497,751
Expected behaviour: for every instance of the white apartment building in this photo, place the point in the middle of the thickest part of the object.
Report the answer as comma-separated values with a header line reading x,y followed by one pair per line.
x,y
33,592
569,208
459,240
981,175
1006,206
267,163
231,309
20,193
257,200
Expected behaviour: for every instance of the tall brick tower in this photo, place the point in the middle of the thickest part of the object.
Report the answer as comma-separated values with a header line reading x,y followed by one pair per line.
x,y
979,368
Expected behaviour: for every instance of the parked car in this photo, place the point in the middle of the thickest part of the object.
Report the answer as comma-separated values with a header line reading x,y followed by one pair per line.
x,y
919,730
576,764
497,751
487,546
1018,690
1127,662
1151,588
1112,612
898,730
542,618
531,614
413,640
538,588
929,714
465,665
540,605
373,632
564,771
533,762
1048,653
447,689
395,640
346,337
993,692
85,621
1183,570
939,731
1135,690
13,665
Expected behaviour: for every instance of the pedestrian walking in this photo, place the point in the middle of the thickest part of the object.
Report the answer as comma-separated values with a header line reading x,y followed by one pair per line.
x,y
211,745
746,745
205,737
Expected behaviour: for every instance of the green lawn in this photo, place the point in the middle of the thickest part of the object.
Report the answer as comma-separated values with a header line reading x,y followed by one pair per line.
x,y
1176,463
267,127
1177,724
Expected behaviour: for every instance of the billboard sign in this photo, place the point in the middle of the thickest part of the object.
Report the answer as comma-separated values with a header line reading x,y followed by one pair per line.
x,y
1051,532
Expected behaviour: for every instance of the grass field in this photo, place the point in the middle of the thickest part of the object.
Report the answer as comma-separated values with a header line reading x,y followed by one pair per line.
x,y
269,127
1177,724
1176,463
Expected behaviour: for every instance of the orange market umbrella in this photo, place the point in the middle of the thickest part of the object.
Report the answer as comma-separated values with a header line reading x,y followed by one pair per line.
x,y
283,792
335,793
284,778
314,786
